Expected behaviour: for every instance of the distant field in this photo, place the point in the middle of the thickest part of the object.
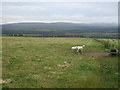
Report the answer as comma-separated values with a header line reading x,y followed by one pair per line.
x,y
33,62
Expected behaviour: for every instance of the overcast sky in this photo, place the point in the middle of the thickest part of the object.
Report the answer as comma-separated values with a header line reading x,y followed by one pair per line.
x,y
81,12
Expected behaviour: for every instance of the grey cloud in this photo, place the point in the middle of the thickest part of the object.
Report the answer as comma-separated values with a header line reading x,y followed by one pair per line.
x,y
83,12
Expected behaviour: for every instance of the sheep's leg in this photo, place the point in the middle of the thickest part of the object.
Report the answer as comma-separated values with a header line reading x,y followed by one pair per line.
x,y
77,50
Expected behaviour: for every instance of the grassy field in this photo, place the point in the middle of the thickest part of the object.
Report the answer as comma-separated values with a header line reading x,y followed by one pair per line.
x,y
49,63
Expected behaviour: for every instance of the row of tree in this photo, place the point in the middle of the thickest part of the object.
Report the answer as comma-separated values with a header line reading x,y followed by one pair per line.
x,y
88,35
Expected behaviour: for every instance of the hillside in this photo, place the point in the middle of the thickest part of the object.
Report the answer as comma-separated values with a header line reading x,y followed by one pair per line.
x,y
59,28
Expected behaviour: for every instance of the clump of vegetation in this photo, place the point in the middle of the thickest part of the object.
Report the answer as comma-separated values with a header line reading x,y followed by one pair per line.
x,y
110,43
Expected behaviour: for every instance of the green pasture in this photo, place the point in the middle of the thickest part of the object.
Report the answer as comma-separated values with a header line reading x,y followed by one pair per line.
x,y
33,62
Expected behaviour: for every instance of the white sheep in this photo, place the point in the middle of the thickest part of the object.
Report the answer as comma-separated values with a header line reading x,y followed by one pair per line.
x,y
80,48
74,48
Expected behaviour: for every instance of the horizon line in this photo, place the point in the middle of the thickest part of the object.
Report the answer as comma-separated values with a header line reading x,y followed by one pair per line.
x,y
42,22
77,22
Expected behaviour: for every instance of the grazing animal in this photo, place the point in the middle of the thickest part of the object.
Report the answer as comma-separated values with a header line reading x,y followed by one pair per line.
x,y
74,48
80,48
114,51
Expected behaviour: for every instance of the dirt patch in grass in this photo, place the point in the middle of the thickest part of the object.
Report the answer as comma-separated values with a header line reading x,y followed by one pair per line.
x,y
97,54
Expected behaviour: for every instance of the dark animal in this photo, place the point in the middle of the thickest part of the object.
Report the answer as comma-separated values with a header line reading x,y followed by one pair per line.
x,y
113,51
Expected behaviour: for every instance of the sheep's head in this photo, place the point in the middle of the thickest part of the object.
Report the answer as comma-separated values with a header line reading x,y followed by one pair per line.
x,y
83,45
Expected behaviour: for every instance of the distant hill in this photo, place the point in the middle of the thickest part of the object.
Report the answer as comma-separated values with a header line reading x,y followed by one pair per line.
x,y
59,28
